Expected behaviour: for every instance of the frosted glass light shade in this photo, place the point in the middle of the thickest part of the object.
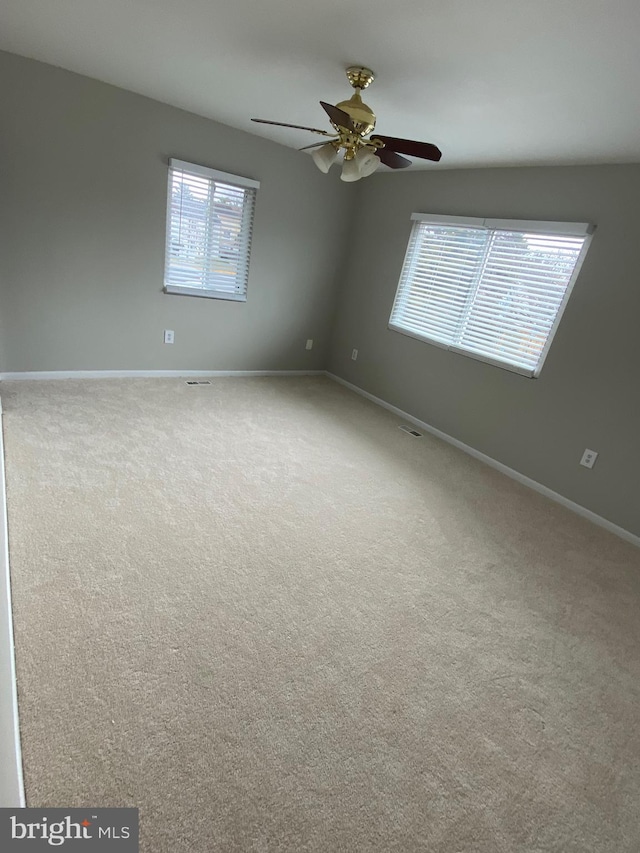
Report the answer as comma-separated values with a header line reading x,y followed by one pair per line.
x,y
367,162
350,170
324,157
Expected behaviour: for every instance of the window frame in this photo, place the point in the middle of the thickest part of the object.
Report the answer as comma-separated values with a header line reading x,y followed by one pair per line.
x,y
214,175
569,229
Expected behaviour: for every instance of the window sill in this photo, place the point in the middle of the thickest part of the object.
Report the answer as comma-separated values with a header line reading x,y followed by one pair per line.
x,y
207,294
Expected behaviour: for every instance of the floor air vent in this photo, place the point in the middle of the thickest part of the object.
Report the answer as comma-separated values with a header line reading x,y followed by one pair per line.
x,y
198,382
410,430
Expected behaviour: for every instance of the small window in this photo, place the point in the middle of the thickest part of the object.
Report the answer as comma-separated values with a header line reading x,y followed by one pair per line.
x,y
494,290
209,225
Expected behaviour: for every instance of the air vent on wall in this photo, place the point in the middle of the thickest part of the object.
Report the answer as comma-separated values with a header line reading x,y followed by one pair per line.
x,y
198,382
410,430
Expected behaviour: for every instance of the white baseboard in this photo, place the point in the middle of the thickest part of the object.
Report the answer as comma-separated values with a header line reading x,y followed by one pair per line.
x,y
11,779
493,463
148,374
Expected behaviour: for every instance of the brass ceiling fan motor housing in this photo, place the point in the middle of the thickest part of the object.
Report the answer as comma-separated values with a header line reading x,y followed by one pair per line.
x,y
362,116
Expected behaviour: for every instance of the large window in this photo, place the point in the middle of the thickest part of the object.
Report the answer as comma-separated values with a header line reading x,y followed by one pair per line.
x,y
491,289
209,224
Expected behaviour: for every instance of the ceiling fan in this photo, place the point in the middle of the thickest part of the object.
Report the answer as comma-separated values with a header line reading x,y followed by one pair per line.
x,y
352,122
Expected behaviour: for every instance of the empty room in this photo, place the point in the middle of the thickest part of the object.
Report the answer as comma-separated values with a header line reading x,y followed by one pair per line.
x,y
319,481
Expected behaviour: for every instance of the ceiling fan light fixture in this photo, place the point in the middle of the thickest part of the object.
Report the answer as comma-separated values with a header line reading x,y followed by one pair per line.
x,y
325,156
368,161
353,124
350,170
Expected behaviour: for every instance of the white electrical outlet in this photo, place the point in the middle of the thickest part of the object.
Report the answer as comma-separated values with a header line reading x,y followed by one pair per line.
x,y
168,336
309,344
354,354
589,458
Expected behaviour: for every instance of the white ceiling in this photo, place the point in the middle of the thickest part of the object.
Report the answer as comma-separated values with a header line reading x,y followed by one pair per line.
x,y
497,82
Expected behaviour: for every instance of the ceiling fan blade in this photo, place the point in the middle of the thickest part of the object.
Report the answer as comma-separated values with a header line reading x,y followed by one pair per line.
x,y
425,150
295,126
338,116
391,159
316,144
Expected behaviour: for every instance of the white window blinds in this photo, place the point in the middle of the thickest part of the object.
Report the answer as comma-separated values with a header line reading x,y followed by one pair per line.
x,y
491,289
209,227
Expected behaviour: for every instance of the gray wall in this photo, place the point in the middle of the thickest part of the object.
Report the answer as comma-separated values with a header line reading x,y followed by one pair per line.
x,y
83,170
587,394
82,224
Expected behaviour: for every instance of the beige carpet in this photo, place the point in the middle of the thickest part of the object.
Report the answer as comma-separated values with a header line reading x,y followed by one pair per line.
x,y
275,622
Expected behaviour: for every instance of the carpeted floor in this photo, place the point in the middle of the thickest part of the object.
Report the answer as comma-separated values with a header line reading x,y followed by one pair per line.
x,y
275,622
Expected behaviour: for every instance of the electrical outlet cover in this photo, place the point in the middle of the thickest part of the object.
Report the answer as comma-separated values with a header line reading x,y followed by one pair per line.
x,y
589,458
